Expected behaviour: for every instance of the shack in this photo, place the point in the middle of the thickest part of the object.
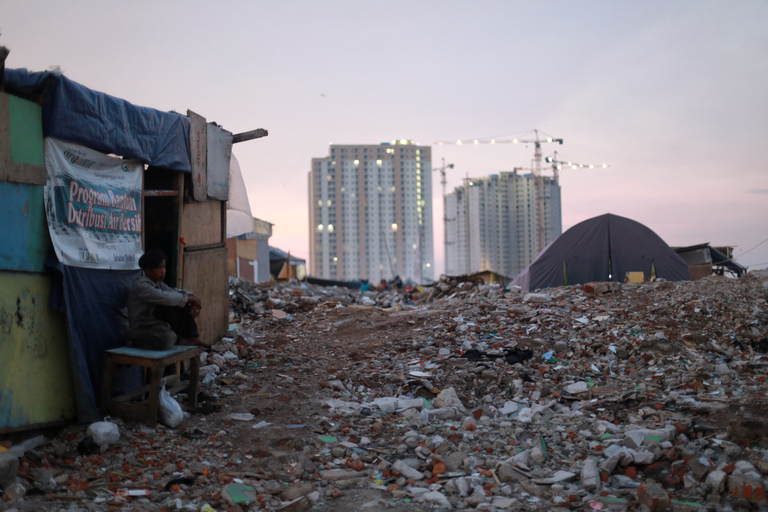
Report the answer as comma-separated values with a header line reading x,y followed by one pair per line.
x,y
285,267
704,260
249,253
491,277
77,218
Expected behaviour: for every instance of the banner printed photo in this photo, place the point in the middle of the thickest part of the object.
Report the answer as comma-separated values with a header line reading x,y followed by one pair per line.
x,y
93,206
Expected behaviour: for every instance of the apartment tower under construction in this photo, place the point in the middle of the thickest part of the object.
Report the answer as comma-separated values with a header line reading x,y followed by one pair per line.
x,y
491,223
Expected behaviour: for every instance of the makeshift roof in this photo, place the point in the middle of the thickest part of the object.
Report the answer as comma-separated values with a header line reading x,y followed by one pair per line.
x,y
102,122
261,230
277,254
718,258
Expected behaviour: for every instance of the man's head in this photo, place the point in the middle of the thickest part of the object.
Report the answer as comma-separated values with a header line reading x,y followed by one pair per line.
x,y
152,263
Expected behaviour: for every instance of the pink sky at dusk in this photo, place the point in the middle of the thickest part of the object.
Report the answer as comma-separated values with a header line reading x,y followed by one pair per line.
x,y
671,94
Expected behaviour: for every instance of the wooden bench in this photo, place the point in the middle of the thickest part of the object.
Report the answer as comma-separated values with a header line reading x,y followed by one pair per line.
x,y
155,361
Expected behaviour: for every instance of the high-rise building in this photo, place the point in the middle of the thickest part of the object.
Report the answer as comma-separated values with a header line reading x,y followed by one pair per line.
x,y
370,213
491,223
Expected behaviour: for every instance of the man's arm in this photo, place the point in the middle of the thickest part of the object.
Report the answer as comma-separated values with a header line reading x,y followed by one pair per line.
x,y
163,296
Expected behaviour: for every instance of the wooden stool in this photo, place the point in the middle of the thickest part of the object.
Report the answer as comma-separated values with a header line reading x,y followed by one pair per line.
x,y
155,361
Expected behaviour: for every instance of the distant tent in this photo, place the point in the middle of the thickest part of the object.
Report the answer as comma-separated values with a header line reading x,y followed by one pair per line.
x,y
603,248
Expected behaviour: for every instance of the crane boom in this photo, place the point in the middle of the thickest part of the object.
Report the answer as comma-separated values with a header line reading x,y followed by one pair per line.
x,y
557,165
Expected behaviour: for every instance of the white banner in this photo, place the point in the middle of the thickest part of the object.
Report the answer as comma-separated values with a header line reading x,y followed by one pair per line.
x,y
93,205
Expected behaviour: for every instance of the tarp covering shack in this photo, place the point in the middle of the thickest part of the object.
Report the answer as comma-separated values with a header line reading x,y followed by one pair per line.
x,y
603,248
105,123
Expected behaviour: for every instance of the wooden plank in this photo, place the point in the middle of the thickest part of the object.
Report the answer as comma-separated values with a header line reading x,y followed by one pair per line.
x,y
176,352
198,147
232,256
180,186
201,223
161,193
248,249
170,383
205,275
253,134
219,155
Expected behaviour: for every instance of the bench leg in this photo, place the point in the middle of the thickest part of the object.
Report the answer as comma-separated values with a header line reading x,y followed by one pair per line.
x,y
194,378
153,400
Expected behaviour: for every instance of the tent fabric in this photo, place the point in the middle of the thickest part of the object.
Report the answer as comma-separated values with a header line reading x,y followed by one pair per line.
x,y
603,248
103,122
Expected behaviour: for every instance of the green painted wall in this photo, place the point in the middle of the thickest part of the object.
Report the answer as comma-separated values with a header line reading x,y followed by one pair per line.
x,y
35,380
26,123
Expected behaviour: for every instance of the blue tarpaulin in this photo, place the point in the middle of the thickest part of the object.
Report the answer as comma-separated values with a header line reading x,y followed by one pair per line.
x,y
105,123
94,301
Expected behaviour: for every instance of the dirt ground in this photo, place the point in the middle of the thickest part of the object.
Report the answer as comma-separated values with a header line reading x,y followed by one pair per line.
x,y
292,406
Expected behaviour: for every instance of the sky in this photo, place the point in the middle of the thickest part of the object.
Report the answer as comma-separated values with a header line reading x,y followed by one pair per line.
x,y
672,95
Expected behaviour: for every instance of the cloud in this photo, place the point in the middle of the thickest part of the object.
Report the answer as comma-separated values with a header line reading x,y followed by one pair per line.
x,y
757,191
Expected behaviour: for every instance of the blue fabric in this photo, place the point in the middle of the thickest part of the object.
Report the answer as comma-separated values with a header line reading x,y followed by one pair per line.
x,y
105,123
95,302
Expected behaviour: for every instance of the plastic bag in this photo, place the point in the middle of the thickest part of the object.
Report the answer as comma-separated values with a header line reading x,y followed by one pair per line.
x,y
169,411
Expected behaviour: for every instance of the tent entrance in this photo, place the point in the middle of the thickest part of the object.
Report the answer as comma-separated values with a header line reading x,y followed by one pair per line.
x,y
161,209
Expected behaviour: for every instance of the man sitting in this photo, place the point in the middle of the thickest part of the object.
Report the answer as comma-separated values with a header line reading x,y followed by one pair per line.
x,y
158,315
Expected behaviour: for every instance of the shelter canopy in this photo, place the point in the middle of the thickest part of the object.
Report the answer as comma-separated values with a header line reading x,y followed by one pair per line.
x,y
603,248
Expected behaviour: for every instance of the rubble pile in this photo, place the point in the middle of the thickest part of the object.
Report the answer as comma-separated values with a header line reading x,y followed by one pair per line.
x,y
465,396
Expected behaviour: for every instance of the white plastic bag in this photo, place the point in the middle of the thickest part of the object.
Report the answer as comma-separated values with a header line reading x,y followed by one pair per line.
x,y
169,411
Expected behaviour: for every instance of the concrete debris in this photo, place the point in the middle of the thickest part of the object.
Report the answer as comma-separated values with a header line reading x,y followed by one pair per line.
x,y
460,395
104,433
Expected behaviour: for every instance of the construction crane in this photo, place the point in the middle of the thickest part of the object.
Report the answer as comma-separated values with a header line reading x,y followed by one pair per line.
x,y
539,183
443,182
557,166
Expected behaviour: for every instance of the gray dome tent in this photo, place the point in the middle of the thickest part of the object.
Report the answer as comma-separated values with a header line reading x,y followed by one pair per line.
x,y
602,248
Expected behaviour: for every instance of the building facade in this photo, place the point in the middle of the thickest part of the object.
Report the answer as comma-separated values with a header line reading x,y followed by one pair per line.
x,y
370,213
491,223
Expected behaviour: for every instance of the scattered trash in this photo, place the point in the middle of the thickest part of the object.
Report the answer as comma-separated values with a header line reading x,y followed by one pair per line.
x,y
240,416
460,395
104,433
237,493
169,411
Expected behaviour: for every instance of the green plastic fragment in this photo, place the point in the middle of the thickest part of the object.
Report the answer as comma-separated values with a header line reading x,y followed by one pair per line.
x,y
543,447
606,436
611,499
687,503
237,492
329,439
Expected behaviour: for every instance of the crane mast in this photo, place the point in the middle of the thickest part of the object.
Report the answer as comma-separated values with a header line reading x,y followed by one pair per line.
x,y
443,182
